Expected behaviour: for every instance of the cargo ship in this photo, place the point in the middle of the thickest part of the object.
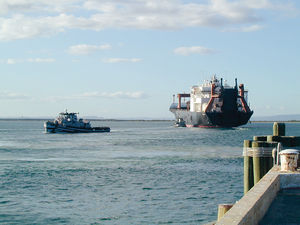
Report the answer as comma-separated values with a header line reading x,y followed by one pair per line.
x,y
69,123
213,104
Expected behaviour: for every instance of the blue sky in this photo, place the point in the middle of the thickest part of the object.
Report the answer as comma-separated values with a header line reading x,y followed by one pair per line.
x,y
126,58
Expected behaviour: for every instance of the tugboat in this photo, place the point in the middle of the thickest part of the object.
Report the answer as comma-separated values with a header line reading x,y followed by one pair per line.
x,y
180,123
69,123
213,104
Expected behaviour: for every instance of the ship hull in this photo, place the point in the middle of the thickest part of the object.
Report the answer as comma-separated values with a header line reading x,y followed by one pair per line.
x,y
212,119
53,128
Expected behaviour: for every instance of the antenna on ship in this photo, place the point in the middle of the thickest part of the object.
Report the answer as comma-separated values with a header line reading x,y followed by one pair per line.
x,y
235,83
222,84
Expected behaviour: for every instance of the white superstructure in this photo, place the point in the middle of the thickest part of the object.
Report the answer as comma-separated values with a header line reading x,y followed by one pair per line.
x,y
71,119
201,95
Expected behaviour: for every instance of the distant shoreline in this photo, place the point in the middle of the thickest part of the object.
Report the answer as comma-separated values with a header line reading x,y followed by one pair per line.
x,y
119,120
273,121
141,120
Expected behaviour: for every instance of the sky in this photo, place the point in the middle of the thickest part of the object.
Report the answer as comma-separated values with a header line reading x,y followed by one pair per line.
x,y
126,58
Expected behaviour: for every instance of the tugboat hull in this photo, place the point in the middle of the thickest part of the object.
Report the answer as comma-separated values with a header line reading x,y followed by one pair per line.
x,y
53,128
69,123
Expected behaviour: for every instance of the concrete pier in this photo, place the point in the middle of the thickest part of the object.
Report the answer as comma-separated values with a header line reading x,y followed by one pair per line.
x,y
263,177
253,206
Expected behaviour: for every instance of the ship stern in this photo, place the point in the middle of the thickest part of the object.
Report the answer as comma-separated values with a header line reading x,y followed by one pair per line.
x,y
49,127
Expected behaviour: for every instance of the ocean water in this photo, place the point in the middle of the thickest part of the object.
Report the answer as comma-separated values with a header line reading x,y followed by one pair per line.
x,y
140,173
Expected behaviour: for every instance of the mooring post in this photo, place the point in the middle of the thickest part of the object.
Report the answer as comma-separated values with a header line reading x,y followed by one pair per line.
x,y
257,162
222,209
259,138
272,138
269,156
262,158
278,129
248,166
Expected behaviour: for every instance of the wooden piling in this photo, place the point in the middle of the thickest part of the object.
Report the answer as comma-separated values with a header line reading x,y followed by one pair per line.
x,y
256,163
295,141
248,167
278,129
262,159
222,209
259,138
286,141
272,138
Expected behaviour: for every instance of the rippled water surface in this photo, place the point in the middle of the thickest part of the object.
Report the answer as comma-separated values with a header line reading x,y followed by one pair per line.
x,y
140,173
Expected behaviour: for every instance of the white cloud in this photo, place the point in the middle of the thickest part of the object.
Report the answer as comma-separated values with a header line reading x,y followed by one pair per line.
x,y
10,61
8,95
193,50
251,28
31,60
119,94
120,60
20,19
272,5
268,107
41,60
5,95
84,49
96,94
37,6
21,27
